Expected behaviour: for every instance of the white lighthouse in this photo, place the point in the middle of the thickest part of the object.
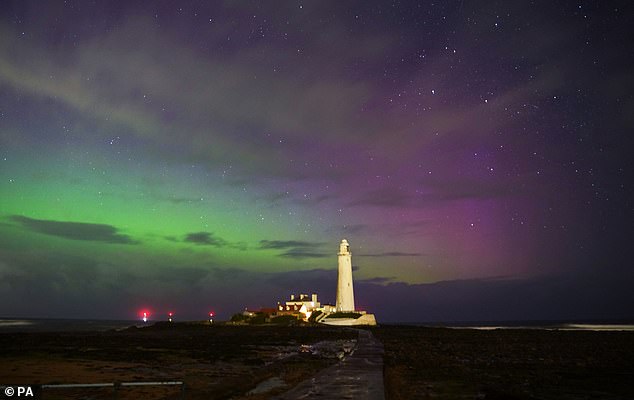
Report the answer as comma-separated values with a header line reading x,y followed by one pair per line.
x,y
345,292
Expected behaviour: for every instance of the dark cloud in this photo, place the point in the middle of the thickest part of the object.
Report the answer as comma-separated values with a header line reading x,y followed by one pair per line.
x,y
302,253
312,201
295,248
458,189
227,100
391,254
205,238
358,228
285,244
434,191
239,245
379,280
383,197
587,296
275,198
405,228
74,230
54,284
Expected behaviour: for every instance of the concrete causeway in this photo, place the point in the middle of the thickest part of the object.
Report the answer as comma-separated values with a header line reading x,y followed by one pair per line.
x,y
358,376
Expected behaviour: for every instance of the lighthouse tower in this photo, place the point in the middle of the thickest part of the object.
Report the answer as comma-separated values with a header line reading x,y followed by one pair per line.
x,y
345,293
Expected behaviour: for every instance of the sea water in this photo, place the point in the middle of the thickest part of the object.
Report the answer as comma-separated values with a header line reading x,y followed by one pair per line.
x,y
540,325
62,325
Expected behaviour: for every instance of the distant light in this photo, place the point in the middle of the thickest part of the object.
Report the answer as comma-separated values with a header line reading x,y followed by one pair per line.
x,y
145,315
211,314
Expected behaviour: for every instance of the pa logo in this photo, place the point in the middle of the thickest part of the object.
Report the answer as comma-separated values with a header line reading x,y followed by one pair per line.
x,y
18,391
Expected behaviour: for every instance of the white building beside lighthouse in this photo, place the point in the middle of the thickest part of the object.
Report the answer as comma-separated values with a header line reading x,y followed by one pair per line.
x,y
345,290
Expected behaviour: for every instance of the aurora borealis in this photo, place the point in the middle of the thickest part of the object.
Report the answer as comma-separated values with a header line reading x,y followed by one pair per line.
x,y
193,156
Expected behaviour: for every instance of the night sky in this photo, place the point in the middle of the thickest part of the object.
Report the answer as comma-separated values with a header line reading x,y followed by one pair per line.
x,y
193,157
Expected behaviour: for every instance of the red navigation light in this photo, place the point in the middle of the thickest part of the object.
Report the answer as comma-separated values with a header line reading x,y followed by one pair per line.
x,y
170,313
211,314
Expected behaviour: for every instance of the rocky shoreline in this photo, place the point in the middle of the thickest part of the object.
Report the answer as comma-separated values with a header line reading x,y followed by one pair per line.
x,y
443,363
261,362
215,362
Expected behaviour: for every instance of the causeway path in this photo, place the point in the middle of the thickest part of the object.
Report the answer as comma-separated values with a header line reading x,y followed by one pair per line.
x,y
358,376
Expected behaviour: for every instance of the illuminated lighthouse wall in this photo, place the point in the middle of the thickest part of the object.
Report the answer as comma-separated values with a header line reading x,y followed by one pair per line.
x,y
345,291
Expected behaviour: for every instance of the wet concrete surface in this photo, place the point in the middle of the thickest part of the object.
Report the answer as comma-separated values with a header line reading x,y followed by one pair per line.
x,y
358,376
